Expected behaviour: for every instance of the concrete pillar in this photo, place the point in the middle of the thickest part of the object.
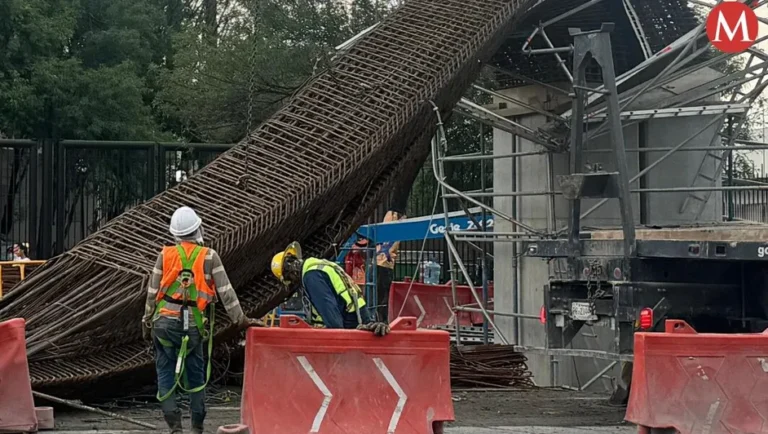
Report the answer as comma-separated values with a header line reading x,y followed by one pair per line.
x,y
505,265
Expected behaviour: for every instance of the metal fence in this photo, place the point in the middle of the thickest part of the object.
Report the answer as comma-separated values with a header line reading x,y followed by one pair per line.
x,y
92,182
55,193
749,205
422,202
408,260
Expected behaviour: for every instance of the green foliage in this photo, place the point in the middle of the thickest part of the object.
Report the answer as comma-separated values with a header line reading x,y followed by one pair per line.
x,y
743,167
78,70
269,48
464,136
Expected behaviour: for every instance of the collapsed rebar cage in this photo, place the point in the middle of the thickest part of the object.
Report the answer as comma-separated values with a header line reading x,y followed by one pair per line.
x,y
725,97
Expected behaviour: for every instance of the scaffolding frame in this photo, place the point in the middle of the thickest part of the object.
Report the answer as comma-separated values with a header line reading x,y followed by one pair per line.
x,y
741,87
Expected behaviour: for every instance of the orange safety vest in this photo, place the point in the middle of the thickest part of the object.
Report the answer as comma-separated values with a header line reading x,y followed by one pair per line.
x,y
183,281
184,286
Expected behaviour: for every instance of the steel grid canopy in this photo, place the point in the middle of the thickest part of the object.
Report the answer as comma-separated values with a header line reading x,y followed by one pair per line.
x,y
642,28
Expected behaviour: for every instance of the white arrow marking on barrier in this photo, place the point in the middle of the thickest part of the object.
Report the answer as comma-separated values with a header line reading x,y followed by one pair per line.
x,y
453,314
421,308
399,391
322,387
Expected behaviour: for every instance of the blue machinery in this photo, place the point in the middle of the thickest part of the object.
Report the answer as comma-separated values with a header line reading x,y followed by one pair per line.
x,y
412,229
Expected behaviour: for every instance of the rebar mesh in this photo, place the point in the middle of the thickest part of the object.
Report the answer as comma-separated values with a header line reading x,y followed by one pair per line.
x,y
662,22
318,167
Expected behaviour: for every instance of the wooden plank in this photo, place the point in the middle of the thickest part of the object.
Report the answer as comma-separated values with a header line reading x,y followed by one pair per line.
x,y
731,232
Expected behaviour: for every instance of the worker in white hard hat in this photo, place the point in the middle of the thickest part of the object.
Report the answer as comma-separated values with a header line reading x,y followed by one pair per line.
x,y
182,290
336,300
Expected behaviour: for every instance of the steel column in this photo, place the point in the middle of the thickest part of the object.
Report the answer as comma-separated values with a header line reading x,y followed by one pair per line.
x,y
61,198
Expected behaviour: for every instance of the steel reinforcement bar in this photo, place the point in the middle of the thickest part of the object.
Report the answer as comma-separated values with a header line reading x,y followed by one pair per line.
x,y
317,169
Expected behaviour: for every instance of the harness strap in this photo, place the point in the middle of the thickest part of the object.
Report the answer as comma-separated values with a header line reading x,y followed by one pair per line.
x,y
179,373
187,263
170,300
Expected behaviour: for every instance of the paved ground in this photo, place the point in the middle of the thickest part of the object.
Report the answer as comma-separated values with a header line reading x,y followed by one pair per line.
x,y
543,430
477,412
538,407
459,430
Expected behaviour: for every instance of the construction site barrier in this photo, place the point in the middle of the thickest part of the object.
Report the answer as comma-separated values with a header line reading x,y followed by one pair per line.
x,y
699,382
17,407
346,381
44,416
431,305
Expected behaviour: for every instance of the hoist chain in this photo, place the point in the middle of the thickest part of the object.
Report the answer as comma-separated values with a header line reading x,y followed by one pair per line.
x,y
251,90
594,269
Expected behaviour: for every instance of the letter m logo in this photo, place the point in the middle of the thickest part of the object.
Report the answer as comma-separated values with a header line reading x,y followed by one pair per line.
x,y
732,27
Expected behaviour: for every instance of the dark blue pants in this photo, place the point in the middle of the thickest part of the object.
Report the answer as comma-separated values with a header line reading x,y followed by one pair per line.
x,y
171,330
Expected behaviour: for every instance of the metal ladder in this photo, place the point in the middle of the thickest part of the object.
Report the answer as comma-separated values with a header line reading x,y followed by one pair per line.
x,y
634,20
704,179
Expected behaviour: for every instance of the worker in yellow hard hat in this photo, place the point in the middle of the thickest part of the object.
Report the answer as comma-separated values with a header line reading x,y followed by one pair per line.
x,y
334,296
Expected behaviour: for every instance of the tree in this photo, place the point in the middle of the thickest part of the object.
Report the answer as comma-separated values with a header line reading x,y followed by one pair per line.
x,y
463,136
743,167
268,50
80,70
77,69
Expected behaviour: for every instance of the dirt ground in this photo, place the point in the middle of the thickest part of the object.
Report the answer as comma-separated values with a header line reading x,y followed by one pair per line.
x,y
474,409
538,407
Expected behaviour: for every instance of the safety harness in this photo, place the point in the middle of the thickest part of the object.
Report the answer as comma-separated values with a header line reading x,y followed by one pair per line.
x,y
186,281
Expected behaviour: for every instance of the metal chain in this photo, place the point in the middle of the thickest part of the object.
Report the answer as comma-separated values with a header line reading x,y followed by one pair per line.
x,y
595,269
251,90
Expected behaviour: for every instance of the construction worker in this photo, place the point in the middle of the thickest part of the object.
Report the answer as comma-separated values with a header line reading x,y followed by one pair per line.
x,y
335,298
386,254
355,261
181,290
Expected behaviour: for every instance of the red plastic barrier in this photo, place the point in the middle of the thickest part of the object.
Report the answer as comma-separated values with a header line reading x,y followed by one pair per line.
x,y
304,380
17,408
700,383
431,304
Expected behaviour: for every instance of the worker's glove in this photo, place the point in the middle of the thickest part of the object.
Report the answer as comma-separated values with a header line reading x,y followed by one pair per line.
x,y
377,328
252,322
146,332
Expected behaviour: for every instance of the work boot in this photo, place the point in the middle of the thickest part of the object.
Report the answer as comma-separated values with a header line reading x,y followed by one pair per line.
x,y
197,423
197,428
174,422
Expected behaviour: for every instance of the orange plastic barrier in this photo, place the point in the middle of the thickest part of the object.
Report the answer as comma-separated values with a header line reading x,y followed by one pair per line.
x,y
431,304
17,408
700,383
304,380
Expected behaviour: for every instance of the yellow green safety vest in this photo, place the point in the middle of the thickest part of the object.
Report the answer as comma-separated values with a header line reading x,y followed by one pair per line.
x,y
342,283
315,319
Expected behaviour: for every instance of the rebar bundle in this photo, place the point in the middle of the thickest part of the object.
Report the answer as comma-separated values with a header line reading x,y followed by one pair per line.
x,y
318,168
489,366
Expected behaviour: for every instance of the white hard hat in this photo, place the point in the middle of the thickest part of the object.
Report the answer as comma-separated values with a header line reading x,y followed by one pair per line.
x,y
184,222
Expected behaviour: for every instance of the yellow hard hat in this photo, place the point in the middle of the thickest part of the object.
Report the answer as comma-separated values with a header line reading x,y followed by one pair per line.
x,y
293,249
